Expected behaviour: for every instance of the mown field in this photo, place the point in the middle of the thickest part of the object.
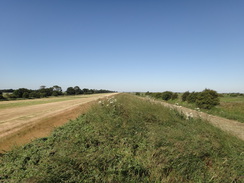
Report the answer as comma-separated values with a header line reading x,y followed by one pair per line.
x,y
28,102
230,107
126,139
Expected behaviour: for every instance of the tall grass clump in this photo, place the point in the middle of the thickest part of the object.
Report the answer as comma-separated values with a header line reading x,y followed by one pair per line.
x,y
127,139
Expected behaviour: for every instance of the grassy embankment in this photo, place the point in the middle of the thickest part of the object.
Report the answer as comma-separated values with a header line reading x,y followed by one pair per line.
x,y
230,107
128,140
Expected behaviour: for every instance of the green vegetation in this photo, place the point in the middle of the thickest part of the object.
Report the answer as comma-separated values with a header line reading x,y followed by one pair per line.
x,y
206,99
167,95
231,106
126,139
1,96
24,93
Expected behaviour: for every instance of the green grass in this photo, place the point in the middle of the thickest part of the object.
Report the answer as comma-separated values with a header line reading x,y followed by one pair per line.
x,y
230,107
128,140
27,102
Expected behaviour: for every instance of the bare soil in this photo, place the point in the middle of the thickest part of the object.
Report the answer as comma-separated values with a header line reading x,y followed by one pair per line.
x,y
231,126
20,125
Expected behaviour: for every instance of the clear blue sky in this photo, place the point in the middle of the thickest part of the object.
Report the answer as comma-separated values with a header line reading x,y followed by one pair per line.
x,y
129,45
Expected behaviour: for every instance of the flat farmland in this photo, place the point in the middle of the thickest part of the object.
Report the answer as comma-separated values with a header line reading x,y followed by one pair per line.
x,y
24,120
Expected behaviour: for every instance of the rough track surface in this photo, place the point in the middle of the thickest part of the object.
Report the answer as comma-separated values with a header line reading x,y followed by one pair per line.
x,y
20,125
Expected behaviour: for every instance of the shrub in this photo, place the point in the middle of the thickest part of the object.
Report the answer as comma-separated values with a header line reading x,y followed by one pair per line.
x,y
207,99
174,96
167,95
184,96
192,97
138,93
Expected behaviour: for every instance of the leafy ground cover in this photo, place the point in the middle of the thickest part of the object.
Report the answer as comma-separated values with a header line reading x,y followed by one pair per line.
x,y
126,139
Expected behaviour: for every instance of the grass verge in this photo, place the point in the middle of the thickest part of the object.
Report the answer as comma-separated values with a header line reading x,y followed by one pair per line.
x,y
125,139
230,107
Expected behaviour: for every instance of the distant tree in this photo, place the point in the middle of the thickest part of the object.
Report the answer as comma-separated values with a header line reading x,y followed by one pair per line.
x,y
207,99
55,93
1,96
43,94
25,95
91,91
70,91
78,90
34,94
42,87
57,88
184,96
19,93
86,91
138,93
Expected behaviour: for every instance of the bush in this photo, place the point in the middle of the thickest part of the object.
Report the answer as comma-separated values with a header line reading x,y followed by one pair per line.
x,y
184,96
167,95
174,96
192,97
138,93
207,99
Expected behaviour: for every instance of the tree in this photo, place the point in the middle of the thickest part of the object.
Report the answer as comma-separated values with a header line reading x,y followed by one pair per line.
x,y
34,94
19,93
85,90
1,96
77,90
207,99
55,93
57,88
42,87
70,91
25,95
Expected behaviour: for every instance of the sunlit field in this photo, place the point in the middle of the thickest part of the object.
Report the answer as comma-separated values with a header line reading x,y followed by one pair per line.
x,y
126,139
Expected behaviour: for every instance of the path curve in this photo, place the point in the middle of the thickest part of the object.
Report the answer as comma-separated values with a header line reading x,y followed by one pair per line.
x,y
231,126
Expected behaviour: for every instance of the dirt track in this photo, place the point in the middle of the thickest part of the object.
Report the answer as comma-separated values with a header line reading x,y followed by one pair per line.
x,y
233,127
20,125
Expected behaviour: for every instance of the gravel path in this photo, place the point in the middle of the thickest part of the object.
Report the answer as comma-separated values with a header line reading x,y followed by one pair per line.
x,y
231,126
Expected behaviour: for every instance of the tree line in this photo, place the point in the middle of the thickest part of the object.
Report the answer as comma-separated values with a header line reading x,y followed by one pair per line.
x,y
10,94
